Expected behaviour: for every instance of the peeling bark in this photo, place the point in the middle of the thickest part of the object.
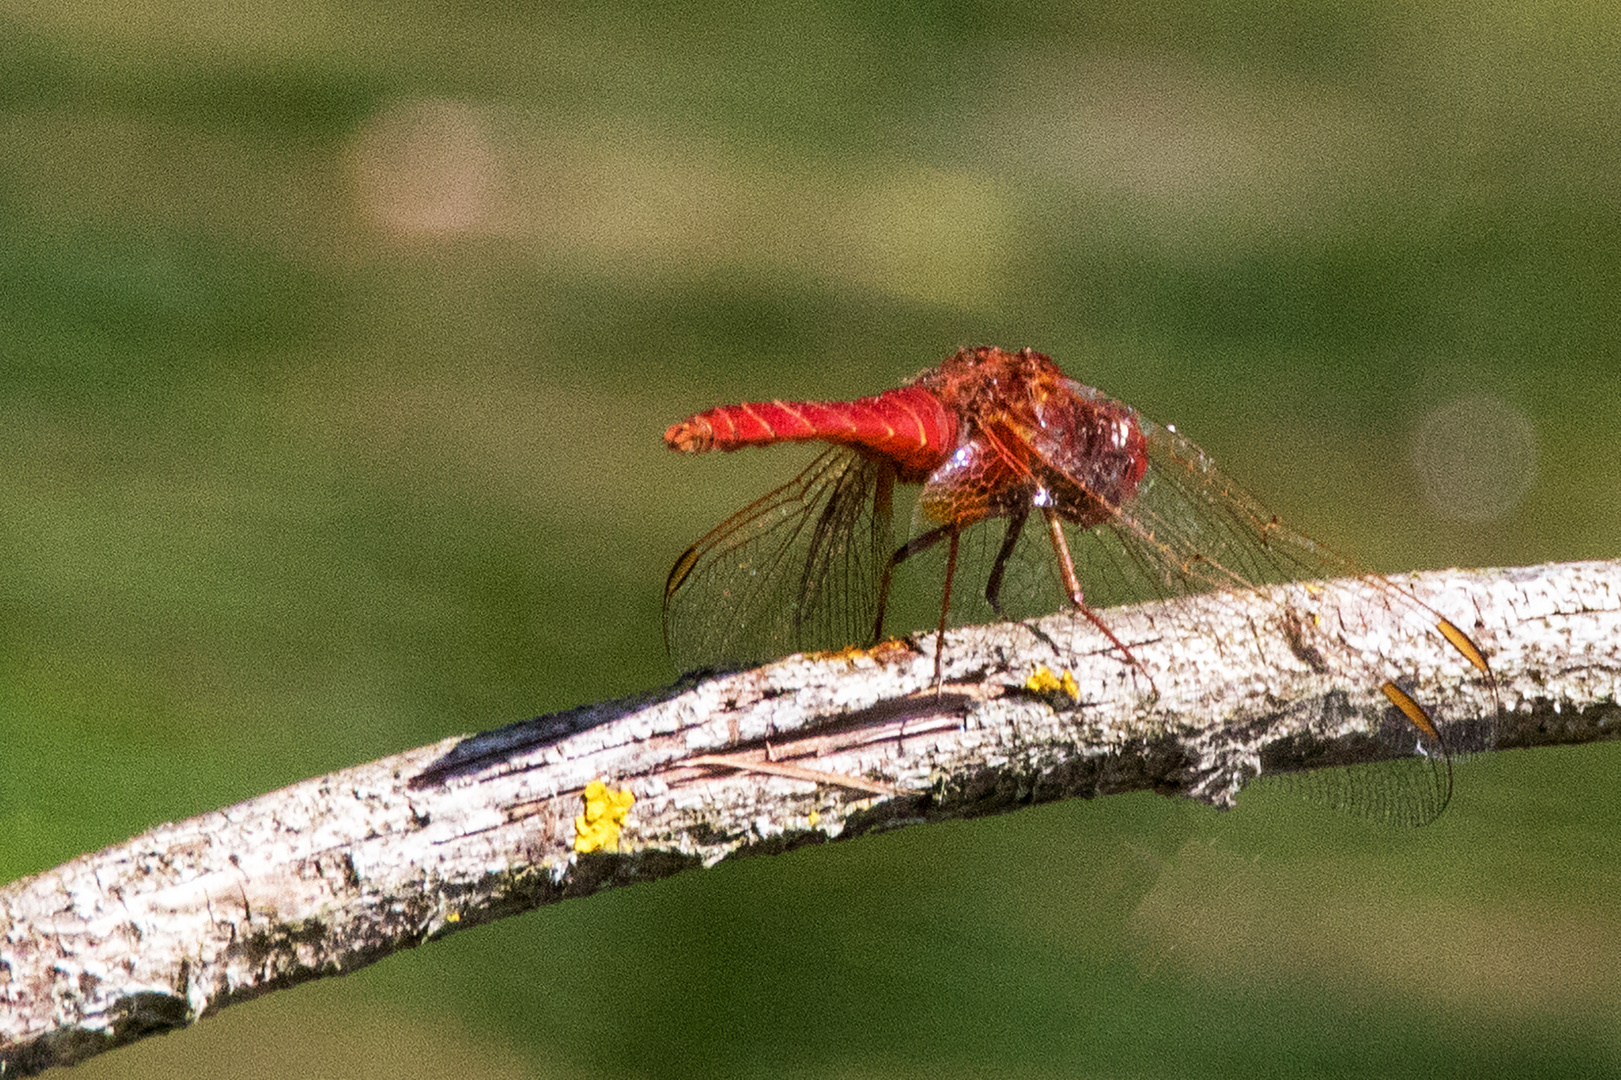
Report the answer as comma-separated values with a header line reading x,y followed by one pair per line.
x,y
333,873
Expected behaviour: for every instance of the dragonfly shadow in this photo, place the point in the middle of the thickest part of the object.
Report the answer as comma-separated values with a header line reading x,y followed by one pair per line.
x,y
498,750
489,750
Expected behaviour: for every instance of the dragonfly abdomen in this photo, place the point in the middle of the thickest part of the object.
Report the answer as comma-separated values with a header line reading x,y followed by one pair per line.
x,y
908,425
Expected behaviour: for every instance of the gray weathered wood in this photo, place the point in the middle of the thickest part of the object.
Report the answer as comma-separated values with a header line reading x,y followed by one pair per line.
x,y
333,873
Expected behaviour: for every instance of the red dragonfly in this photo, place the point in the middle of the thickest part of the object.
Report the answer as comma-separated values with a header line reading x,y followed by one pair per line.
x,y
989,435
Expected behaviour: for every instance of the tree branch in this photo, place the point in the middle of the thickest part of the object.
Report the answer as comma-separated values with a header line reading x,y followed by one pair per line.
x,y
333,873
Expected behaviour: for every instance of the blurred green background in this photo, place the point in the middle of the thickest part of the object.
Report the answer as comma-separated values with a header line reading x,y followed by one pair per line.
x,y
335,347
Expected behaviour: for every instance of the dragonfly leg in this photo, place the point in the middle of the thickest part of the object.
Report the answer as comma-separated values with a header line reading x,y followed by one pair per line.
x,y
917,545
945,609
993,585
1072,589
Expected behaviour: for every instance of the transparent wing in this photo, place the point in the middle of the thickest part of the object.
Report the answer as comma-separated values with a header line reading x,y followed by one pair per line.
x,y
1395,772
795,570
1189,528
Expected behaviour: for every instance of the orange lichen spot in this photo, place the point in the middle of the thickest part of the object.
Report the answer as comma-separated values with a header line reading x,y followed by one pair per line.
x,y
1044,681
885,652
891,651
598,828
849,653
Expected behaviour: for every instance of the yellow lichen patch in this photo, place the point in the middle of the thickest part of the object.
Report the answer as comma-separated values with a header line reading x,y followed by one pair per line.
x,y
598,828
1044,681
813,818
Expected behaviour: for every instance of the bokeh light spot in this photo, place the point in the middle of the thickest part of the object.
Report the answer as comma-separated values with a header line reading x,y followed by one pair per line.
x,y
426,168
1476,457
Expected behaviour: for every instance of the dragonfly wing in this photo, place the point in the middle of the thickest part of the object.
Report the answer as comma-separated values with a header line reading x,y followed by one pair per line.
x,y
1189,528
797,569
1182,527
1200,530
